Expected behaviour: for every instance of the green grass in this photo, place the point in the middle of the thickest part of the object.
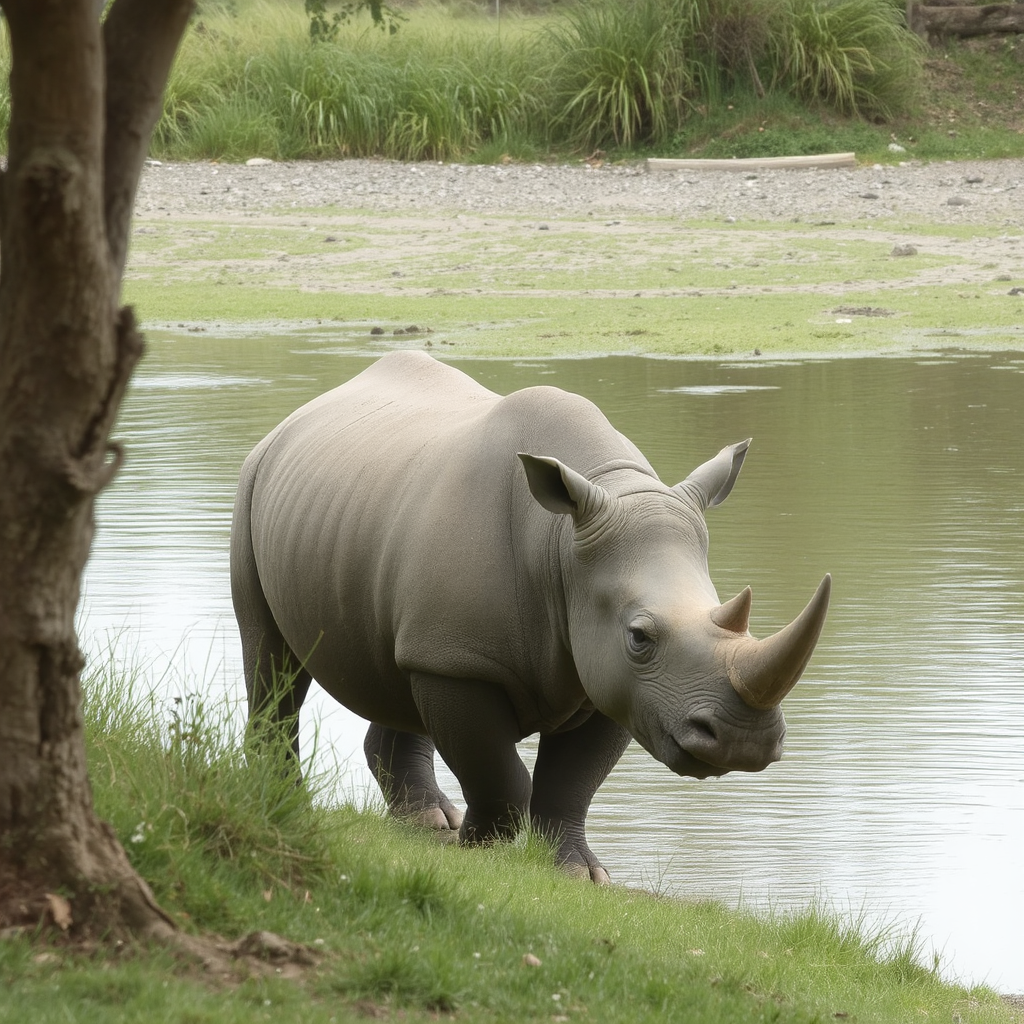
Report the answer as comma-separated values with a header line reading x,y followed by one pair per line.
x,y
643,285
401,923
620,74
251,83
707,325
552,81
456,83
558,80
653,76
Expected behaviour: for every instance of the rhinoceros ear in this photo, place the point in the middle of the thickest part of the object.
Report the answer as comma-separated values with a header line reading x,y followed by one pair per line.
x,y
561,489
709,484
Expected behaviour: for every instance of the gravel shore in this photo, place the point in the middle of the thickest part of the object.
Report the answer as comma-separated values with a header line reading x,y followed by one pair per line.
x,y
984,192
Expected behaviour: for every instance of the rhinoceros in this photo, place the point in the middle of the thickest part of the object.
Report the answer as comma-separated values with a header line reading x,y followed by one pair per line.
x,y
464,569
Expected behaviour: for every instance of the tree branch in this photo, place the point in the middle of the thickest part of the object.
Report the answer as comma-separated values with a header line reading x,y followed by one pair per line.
x,y
140,38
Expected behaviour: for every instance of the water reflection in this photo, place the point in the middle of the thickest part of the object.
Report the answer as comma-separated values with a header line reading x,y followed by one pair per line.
x,y
902,790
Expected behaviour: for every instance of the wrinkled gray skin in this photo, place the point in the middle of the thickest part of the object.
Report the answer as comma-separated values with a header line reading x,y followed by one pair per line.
x,y
390,541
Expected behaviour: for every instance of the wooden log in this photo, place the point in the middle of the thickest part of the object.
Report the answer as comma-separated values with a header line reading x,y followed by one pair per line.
x,y
757,163
938,22
957,3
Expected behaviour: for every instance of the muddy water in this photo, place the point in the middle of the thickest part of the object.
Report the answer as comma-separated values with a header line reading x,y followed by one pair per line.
x,y
901,795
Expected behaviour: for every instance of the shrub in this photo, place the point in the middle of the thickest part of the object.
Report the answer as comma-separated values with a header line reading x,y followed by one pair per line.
x,y
619,75
856,56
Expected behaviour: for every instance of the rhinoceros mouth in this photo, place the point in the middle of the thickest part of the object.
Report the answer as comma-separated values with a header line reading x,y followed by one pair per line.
x,y
682,762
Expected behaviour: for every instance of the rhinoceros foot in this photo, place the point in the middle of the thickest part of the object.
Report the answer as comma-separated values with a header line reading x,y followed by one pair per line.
x,y
445,817
581,863
403,765
594,873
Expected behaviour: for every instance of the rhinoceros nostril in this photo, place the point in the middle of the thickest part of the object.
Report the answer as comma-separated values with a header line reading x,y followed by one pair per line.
x,y
703,729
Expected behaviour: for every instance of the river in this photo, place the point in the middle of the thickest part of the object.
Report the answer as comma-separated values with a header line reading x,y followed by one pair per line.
x,y
901,795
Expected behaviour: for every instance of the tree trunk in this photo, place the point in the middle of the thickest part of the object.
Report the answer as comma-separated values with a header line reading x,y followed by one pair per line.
x,y
84,99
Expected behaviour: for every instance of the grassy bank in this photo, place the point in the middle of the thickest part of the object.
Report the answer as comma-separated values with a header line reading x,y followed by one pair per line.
x,y
708,77
399,924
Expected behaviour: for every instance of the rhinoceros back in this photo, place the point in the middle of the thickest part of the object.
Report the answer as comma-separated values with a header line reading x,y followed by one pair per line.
x,y
392,530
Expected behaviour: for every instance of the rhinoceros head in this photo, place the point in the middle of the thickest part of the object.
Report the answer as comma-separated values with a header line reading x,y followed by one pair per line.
x,y
653,646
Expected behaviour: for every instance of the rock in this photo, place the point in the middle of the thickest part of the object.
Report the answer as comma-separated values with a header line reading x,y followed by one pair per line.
x,y
862,311
957,201
904,249
270,947
258,161
895,147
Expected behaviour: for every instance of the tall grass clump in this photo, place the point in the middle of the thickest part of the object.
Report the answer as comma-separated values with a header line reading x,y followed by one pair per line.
x,y
455,81
193,811
452,81
725,41
620,75
854,56
635,71
257,85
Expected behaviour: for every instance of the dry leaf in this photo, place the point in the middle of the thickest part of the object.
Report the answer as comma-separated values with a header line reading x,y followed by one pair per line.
x,y
530,960
60,911
268,895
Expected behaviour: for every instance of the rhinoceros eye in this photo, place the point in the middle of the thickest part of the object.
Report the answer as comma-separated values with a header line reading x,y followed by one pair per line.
x,y
640,641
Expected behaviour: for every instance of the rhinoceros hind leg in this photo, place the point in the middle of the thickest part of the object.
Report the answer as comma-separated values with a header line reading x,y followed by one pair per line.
x,y
403,765
570,768
275,680
277,685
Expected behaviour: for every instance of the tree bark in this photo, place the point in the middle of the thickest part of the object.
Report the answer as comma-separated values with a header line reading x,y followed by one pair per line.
x,y
84,98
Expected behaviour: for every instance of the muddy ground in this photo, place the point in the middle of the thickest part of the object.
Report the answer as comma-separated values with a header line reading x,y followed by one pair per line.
x,y
902,241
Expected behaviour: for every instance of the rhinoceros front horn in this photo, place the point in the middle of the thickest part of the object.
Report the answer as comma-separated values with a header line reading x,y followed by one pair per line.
x,y
762,672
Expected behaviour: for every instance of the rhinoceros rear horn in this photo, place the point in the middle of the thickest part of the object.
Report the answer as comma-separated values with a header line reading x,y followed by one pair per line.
x,y
735,614
762,672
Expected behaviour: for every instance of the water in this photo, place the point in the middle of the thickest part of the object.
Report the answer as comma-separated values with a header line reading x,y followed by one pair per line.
x,y
901,795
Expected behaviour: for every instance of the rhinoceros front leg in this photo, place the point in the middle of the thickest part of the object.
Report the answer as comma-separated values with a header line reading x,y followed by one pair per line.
x,y
403,765
570,768
475,730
